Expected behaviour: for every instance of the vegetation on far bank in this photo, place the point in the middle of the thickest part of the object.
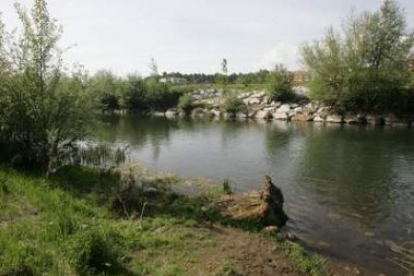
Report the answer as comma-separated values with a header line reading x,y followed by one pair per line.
x,y
363,66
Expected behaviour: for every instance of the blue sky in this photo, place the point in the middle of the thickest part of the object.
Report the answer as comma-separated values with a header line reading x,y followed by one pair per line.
x,y
193,35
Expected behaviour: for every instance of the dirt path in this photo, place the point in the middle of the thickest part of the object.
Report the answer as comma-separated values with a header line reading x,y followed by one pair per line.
x,y
229,251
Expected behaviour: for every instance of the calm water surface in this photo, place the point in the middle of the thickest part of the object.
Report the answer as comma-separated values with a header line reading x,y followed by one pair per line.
x,y
349,189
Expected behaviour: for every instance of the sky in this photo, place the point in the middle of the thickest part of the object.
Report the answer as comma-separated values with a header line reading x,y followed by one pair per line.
x,y
193,35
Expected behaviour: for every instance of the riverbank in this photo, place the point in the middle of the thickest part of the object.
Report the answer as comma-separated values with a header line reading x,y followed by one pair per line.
x,y
257,105
74,225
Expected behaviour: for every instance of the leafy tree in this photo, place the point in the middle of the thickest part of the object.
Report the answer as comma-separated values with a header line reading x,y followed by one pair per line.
x,y
363,67
106,89
186,103
280,84
135,94
43,110
153,67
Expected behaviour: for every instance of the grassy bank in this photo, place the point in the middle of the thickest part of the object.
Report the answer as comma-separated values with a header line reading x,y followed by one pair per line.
x,y
75,224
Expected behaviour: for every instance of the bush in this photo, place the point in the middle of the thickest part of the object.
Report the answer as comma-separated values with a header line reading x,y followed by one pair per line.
x,y
280,85
185,103
43,111
362,67
97,250
233,104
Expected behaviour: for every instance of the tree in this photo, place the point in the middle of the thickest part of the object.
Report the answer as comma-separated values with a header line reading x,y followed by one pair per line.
x,y
280,84
363,67
43,110
106,88
153,67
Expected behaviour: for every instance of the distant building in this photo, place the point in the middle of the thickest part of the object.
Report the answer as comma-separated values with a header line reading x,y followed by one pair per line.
x,y
301,77
410,62
173,80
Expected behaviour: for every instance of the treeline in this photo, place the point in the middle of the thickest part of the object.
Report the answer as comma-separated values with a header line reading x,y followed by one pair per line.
x,y
259,77
132,93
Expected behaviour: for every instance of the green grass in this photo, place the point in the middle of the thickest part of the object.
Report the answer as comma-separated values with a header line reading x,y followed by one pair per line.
x,y
73,224
310,264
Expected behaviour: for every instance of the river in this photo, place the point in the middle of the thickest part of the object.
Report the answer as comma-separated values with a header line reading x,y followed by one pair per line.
x,y
349,190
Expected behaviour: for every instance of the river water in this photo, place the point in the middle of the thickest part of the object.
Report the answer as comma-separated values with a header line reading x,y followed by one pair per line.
x,y
349,190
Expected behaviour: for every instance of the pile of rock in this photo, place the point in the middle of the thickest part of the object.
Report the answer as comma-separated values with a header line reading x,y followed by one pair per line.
x,y
207,93
259,106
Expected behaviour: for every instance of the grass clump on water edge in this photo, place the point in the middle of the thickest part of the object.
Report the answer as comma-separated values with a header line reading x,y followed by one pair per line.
x,y
310,264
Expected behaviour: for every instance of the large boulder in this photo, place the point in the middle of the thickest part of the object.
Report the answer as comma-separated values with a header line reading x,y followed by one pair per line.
x,y
374,119
284,108
264,208
242,115
158,114
198,113
302,117
171,113
334,118
216,112
318,119
281,115
351,118
263,114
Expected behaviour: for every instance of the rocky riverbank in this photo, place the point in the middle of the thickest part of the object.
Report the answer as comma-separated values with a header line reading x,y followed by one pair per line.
x,y
258,105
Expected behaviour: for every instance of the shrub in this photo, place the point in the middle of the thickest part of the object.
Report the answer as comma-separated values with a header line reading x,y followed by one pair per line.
x,y
280,85
227,187
185,103
96,250
233,104
43,111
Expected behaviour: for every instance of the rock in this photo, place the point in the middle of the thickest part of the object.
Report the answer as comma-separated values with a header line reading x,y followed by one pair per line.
x,y
275,104
351,118
216,112
393,120
374,119
298,110
158,114
319,119
242,115
334,118
280,115
228,115
171,113
284,108
251,101
311,107
265,207
305,117
263,114
198,113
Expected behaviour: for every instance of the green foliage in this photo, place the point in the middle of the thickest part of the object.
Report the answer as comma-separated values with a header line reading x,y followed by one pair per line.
x,y
96,250
220,79
280,85
227,187
148,95
313,265
364,66
43,111
233,104
186,103
106,89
